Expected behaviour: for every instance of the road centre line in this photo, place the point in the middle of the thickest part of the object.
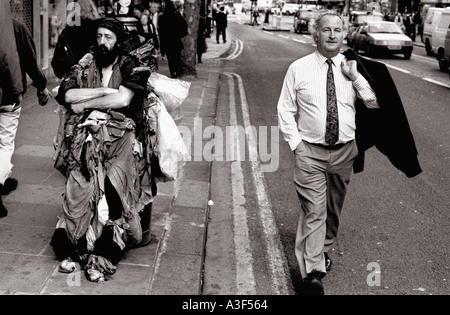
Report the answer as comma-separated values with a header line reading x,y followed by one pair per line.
x,y
437,82
428,59
300,41
397,68
392,67
409,72
284,36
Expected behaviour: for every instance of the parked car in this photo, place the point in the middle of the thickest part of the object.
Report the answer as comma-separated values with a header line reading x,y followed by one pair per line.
x,y
302,18
382,37
356,19
438,39
432,19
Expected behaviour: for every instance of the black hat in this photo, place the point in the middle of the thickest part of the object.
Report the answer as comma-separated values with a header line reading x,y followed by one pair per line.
x,y
114,26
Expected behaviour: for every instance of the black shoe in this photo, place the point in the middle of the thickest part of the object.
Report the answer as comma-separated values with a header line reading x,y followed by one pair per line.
x,y
313,283
10,185
328,262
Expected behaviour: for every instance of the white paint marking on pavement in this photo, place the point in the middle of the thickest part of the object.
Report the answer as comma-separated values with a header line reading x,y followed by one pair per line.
x,y
284,36
267,32
437,82
244,260
276,261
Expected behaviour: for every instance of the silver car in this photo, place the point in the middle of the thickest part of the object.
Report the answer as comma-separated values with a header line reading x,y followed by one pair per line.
x,y
382,37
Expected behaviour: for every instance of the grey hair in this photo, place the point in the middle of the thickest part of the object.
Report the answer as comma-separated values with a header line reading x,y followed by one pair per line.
x,y
313,25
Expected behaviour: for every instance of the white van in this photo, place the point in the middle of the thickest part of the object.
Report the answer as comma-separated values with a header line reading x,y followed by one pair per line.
x,y
289,8
431,21
438,38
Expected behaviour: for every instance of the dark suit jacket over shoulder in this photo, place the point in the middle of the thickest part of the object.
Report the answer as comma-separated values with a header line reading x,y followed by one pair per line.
x,y
386,128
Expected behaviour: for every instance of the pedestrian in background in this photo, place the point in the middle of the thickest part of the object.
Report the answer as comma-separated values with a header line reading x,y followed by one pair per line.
x,y
201,38
323,140
266,14
172,28
255,16
23,46
209,21
221,25
56,26
215,10
138,11
409,25
146,29
398,19
154,14
418,28
75,40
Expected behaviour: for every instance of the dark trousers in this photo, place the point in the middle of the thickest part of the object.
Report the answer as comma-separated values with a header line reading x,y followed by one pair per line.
x,y
174,60
208,26
221,30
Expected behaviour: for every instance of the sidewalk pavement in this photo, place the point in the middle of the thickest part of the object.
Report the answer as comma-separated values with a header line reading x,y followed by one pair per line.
x,y
171,264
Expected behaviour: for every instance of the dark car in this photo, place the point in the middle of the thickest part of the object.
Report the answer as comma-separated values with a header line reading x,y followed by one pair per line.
x,y
382,37
302,18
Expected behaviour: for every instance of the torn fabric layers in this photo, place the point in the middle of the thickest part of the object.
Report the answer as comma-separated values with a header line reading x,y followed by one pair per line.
x,y
86,145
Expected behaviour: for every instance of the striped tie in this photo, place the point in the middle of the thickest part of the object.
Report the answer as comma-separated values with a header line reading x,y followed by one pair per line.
x,y
332,131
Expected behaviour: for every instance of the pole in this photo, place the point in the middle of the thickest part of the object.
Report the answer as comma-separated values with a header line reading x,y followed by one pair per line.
x,y
45,35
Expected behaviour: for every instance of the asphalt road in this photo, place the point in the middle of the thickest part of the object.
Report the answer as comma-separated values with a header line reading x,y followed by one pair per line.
x,y
394,231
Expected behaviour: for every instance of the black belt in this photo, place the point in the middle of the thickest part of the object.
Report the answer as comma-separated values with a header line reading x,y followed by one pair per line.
x,y
329,147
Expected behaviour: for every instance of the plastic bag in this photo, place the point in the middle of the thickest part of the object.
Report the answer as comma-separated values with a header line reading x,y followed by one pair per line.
x,y
169,147
172,93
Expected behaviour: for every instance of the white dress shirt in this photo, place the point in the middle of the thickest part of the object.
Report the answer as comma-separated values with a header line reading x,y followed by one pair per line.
x,y
304,94
154,18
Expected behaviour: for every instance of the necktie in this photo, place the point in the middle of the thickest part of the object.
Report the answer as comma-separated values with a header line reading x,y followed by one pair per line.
x,y
332,129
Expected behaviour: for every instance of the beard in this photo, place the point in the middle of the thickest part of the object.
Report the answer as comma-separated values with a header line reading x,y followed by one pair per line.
x,y
105,57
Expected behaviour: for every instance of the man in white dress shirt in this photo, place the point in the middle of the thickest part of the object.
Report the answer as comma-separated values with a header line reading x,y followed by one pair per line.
x,y
323,166
154,16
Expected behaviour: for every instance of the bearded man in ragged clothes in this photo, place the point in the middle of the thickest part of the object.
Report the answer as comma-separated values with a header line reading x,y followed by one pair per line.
x,y
109,182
